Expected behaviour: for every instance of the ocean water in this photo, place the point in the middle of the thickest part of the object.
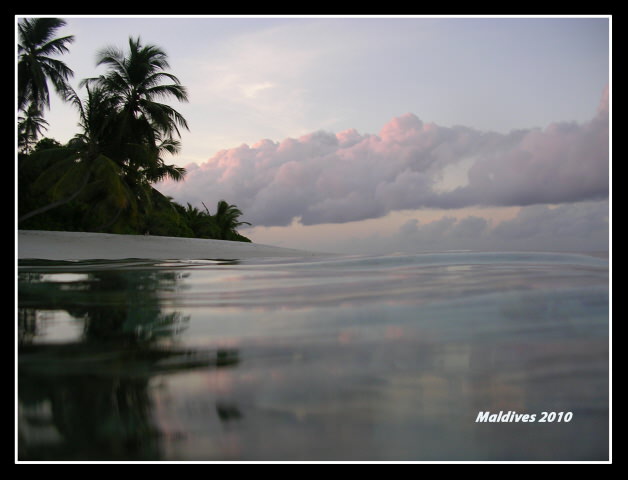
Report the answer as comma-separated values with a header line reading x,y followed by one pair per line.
x,y
428,357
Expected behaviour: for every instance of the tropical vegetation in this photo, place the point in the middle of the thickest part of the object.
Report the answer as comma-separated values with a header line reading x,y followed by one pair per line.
x,y
102,179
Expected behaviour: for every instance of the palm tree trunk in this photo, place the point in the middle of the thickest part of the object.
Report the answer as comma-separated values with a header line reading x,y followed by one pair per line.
x,y
56,204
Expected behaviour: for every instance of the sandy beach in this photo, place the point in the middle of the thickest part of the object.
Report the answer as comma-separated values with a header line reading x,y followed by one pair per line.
x,y
49,245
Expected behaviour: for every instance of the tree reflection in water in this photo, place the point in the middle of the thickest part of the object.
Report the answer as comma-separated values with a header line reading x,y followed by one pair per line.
x,y
90,399
343,363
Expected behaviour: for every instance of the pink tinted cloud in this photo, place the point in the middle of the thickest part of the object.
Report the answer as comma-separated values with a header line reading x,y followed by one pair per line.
x,y
331,178
565,162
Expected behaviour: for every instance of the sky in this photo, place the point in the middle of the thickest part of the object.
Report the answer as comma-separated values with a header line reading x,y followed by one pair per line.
x,y
385,134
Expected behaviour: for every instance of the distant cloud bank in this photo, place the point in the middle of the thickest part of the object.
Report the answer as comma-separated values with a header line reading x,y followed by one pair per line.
x,y
581,226
334,178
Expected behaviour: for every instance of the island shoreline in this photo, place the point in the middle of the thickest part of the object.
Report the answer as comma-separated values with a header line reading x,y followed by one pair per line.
x,y
58,245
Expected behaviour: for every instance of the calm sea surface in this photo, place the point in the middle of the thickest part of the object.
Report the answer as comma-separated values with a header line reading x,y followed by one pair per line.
x,y
359,358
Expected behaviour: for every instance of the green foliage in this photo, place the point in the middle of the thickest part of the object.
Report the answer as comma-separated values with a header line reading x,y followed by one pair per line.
x,y
165,219
101,180
45,144
29,126
227,221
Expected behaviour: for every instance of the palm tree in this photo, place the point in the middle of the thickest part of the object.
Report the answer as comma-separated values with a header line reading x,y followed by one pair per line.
x,y
29,127
35,65
144,127
201,223
125,133
136,82
226,218
146,162
83,166
141,165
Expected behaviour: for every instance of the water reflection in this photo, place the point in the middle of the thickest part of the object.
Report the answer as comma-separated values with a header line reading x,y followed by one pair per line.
x,y
309,362
91,398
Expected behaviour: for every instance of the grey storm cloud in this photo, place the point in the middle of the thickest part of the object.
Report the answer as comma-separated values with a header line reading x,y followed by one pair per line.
x,y
334,178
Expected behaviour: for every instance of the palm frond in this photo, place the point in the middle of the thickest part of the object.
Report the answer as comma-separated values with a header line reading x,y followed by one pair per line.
x,y
35,66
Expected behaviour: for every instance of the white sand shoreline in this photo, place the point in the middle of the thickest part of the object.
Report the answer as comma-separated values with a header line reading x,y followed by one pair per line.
x,y
52,245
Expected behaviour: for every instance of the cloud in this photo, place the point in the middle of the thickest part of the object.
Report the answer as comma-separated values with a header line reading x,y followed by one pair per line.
x,y
565,162
578,226
582,226
323,177
445,233
565,223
